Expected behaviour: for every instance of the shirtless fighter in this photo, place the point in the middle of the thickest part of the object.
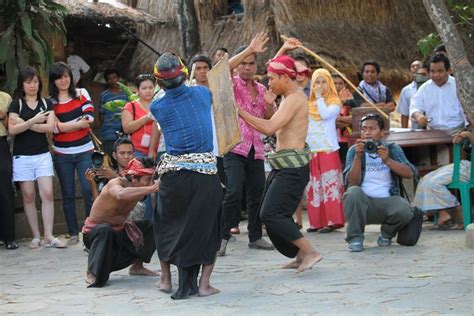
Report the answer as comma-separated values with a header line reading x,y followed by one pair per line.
x,y
113,243
290,170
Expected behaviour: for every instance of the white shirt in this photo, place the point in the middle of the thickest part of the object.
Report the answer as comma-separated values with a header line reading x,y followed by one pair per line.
x,y
440,105
77,64
322,135
377,179
406,95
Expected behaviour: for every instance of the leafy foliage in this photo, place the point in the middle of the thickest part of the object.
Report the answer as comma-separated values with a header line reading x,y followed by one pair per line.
x,y
463,15
25,27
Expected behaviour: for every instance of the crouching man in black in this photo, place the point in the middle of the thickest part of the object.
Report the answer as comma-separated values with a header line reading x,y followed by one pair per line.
x,y
115,243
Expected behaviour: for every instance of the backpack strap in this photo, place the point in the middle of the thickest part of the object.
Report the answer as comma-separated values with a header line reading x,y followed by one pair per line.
x,y
20,106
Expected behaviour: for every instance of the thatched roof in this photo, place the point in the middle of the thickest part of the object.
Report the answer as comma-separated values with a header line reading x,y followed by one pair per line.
x,y
344,32
107,11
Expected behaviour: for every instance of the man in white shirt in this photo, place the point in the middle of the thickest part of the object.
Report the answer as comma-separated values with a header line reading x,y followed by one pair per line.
x,y
436,104
76,63
407,93
373,181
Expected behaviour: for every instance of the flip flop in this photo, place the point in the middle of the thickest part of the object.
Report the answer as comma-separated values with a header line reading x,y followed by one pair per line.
x,y
35,243
444,226
326,230
56,243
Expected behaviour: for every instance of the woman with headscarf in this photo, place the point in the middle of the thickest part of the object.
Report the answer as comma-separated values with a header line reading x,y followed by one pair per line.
x,y
325,207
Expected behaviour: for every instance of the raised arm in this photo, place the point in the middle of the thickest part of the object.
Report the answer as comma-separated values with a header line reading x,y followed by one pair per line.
x,y
256,46
288,46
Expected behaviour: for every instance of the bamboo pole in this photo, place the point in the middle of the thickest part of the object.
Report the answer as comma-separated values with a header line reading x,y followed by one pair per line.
x,y
332,68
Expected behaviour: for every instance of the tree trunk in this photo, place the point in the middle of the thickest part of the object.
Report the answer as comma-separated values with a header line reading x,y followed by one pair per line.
x,y
189,28
460,64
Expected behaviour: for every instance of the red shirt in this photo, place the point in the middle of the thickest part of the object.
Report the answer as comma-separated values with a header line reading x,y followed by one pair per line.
x,y
136,137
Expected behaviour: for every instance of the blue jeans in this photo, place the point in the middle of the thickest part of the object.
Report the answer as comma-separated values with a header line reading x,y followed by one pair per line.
x,y
147,200
65,166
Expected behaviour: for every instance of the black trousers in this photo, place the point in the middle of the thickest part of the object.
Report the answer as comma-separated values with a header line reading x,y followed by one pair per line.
x,y
283,192
111,250
7,194
242,170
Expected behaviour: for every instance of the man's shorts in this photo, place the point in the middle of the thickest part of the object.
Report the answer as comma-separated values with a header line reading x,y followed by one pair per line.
x,y
30,168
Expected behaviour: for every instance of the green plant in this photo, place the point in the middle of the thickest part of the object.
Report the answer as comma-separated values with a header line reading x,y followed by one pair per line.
x,y
462,13
25,27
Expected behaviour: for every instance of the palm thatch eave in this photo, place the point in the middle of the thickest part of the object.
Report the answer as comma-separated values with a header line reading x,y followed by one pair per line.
x,y
107,12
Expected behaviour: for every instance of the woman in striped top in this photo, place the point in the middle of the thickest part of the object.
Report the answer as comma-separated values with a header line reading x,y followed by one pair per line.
x,y
72,142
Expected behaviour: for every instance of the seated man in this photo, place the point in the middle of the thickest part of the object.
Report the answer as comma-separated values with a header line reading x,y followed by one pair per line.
x,y
433,195
373,88
436,104
373,179
113,243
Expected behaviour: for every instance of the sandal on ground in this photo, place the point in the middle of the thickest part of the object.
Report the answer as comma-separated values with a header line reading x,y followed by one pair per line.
x,y
312,230
443,226
326,230
73,240
11,245
55,243
35,243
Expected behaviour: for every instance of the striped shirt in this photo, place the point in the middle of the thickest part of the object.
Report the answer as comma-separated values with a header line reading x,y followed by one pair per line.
x,y
77,141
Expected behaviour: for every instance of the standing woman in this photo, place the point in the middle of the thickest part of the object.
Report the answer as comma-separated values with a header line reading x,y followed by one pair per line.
x,y
326,188
72,142
30,119
7,194
136,120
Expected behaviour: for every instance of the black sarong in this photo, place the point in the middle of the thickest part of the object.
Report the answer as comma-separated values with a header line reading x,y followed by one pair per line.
x,y
111,250
283,192
187,219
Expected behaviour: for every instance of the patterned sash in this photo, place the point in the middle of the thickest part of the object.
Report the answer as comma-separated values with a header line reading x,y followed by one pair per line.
x,y
290,158
205,163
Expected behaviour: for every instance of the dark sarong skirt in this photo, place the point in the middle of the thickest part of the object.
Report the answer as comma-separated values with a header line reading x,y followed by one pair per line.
x,y
283,192
187,219
111,250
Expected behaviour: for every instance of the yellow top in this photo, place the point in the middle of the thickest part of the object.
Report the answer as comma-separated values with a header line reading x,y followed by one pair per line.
x,y
330,96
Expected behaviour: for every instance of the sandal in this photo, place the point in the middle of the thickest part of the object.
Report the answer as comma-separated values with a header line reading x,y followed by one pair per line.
x,y
55,243
11,245
326,230
312,230
35,243
73,240
443,226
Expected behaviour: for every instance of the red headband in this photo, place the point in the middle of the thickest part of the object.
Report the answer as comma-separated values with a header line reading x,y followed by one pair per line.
x,y
171,73
135,168
285,65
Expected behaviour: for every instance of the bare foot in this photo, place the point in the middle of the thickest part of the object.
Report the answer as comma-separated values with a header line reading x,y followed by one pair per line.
x,y
209,290
139,269
90,278
309,261
164,286
295,263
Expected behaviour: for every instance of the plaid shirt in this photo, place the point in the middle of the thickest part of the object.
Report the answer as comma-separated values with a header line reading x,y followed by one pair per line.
x,y
395,152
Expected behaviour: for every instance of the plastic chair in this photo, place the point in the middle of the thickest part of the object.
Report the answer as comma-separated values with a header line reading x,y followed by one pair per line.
x,y
463,187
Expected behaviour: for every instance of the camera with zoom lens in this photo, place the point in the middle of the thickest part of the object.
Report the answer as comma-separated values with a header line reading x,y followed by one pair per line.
x,y
370,146
97,163
97,160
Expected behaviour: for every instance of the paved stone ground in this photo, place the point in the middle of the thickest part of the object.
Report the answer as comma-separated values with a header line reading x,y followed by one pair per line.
x,y
434,277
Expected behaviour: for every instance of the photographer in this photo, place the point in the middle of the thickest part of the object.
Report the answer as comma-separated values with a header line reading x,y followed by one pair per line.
x,y
373,173
122,152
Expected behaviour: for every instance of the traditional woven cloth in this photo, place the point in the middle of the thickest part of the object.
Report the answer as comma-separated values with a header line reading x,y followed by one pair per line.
x,y
205,163
289,158
432,192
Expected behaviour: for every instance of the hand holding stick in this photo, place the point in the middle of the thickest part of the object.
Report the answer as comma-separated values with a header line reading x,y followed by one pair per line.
x,y
332,68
